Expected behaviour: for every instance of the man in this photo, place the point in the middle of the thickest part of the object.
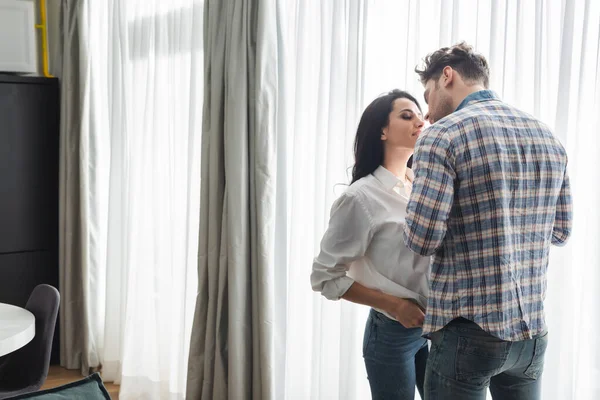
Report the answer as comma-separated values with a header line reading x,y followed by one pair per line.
x,y
490,194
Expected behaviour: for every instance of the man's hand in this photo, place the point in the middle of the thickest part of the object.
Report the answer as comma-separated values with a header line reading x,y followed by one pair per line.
x,y
408,313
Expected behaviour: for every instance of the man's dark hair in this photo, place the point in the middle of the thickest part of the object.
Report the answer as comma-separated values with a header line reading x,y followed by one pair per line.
x,y
471,66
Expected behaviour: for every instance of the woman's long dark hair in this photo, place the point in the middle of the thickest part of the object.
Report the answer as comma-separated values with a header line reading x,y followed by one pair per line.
x,y
368,146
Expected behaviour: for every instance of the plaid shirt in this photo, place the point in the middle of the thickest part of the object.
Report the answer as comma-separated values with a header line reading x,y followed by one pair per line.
x,y
490,194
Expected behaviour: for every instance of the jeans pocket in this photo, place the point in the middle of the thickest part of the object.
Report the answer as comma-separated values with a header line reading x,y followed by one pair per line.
x,y
369,336
478,360
535,369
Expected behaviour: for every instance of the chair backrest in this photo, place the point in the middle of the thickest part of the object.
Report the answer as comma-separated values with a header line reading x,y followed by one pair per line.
x,y
34,358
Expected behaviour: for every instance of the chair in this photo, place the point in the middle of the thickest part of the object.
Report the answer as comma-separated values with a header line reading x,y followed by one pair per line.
x,y
25,370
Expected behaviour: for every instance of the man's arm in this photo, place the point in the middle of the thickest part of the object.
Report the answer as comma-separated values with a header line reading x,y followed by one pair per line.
x,y
563,219
432,194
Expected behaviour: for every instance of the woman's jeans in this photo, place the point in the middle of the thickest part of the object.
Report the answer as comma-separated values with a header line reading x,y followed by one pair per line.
x,y
465,360
395,357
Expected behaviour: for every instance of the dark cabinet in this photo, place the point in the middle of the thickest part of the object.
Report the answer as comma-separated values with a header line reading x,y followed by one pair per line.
x,y
29,151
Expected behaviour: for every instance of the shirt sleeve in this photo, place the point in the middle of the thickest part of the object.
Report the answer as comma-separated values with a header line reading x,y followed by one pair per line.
x,y
346,239
432,193
563,219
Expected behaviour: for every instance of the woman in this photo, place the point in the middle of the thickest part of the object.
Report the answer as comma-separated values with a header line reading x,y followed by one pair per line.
x,y
363,258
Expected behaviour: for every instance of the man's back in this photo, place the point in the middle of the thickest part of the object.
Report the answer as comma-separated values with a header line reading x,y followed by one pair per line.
x,y
491,194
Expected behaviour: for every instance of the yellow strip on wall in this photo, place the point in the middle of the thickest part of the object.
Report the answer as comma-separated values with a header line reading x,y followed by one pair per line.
x,y
44,28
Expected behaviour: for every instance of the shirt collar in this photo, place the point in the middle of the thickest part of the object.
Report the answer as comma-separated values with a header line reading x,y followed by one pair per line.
x,y
478,96
388,179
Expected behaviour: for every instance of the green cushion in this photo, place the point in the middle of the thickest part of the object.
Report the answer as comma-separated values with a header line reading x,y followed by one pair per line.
x,y
90,388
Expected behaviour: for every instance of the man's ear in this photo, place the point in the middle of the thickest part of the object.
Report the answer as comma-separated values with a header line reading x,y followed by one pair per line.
x,y
448,75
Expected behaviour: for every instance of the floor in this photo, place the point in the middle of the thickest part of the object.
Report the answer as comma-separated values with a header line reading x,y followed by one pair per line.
x,y
58,376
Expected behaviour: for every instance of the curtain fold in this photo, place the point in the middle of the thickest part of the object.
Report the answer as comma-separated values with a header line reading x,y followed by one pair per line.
x,y
231,353
130,190
73,229
327,62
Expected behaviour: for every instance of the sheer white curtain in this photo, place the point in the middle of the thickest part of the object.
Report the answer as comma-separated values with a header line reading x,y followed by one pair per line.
x,y
545,59
319,342
142,162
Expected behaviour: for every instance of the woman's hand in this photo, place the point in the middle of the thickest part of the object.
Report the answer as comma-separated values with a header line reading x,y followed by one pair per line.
x,y
407,312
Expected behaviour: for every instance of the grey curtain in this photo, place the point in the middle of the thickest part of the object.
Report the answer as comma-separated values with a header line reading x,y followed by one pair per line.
x,y
231,351
74,317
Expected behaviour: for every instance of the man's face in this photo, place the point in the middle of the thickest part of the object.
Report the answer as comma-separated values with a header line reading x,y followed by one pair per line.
x,y
438,100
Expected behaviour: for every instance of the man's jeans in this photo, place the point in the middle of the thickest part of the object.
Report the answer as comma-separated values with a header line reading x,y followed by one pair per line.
x,y
465,360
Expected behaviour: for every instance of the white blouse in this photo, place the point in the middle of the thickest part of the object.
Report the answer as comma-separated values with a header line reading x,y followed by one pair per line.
x,y
364,243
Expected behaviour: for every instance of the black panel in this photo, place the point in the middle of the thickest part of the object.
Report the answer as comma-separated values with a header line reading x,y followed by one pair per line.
x,y
29,148
28,167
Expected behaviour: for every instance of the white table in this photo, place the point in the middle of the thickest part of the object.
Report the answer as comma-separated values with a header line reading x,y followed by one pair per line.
x,y
17,328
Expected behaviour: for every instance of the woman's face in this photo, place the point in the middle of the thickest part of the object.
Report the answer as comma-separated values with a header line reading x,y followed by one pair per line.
x,y
404,126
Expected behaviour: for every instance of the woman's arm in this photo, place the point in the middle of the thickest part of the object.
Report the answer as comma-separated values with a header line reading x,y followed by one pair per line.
x,y
347,238
404,311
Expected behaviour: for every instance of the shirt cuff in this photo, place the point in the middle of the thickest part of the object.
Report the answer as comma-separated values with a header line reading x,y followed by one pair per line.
x,y
336,288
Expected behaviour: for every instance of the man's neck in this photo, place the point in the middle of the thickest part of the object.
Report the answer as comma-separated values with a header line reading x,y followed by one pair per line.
x,y
464,92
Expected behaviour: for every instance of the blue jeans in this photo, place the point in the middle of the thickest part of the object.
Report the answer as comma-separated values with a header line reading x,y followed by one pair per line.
x,y
465,360
395,358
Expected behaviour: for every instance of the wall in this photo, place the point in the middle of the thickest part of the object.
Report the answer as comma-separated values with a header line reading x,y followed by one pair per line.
x,y
53,15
